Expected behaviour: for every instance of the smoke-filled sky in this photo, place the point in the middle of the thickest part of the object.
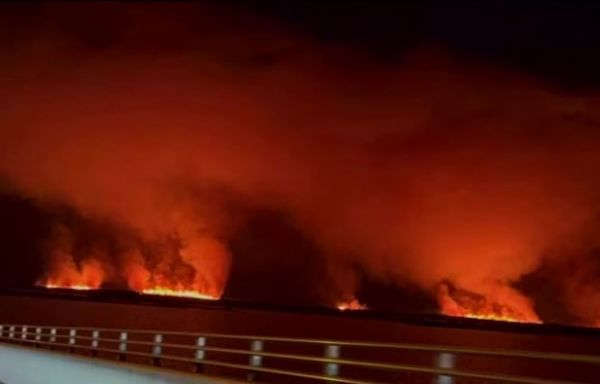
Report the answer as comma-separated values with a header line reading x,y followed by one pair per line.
x,y
307,153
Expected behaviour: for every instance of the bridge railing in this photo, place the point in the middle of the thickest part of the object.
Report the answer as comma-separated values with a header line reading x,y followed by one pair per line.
x,y
273,359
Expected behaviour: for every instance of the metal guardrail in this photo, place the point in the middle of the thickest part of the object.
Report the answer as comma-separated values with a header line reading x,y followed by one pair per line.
x,y
125,344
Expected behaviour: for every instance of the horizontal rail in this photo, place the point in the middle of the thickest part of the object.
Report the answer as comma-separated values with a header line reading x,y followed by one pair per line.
x,y
412,347
410,368
207,362
21,333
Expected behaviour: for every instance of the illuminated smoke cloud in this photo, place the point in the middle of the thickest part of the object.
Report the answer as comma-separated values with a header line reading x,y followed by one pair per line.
x,y
434,171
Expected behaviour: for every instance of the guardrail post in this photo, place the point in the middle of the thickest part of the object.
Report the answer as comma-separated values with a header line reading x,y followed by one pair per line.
x,y
38,337
200,354
1,331
24,334
52,337
95,342
332,352
11,332
255,360
157,349
444,360
72,339
122,346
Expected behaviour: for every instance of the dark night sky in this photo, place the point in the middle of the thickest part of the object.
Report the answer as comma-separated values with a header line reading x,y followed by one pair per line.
x,y
558,42
555,39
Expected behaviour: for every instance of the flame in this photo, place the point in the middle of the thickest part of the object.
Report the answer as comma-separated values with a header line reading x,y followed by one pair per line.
x,y
142,280
78,287
351,305
168,278
505,304
166,291
498,317
86,276
89,274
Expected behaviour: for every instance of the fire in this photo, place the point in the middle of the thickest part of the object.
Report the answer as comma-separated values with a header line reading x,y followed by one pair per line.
x,y
184,272
351,305
86,276
165,291
505,304
89,274
78,287
142,280
497,317
160,291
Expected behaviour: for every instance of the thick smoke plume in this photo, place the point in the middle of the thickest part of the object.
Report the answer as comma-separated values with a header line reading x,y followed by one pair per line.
x,y
435,170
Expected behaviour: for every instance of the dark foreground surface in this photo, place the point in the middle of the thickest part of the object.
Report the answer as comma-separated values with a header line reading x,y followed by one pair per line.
x,y
128,310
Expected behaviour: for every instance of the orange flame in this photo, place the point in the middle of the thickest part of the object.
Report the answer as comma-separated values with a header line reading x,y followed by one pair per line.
x,y
165,291
351,305
505,305
499,317
155,282
89,275
78,287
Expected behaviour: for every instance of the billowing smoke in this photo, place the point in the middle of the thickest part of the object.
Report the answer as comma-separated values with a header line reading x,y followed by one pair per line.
x,y
435,170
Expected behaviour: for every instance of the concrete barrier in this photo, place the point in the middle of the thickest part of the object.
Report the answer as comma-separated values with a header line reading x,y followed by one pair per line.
x,y
21,365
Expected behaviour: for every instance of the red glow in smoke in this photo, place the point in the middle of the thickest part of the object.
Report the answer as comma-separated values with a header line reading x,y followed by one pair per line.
x,y
447,171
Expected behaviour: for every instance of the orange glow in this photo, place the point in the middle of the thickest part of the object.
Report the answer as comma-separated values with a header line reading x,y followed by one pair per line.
x,y
201,255
351,305
78,287
164,291
89,274
504,304
499,317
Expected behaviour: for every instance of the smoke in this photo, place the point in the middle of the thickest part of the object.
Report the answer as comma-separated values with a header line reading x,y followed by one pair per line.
x,y
433,170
